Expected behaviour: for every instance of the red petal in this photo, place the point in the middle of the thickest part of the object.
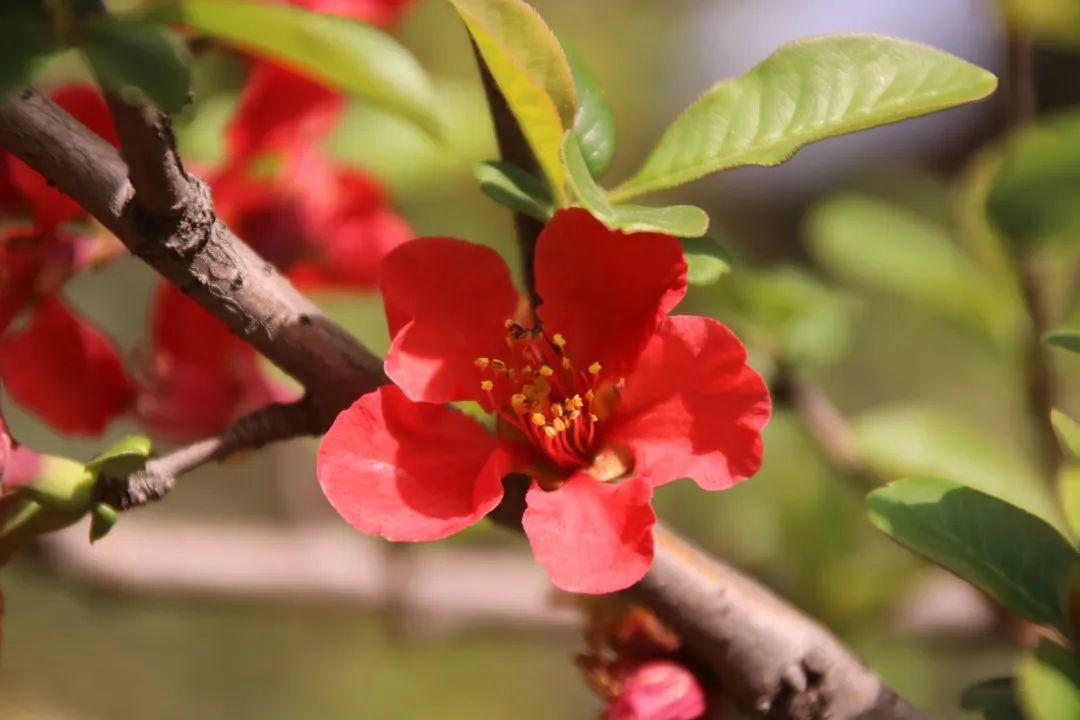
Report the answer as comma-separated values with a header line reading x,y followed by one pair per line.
x,y
605,291
658,690
446,303
281,110
593,537
50,206
410,471
65,370
692,407
374,12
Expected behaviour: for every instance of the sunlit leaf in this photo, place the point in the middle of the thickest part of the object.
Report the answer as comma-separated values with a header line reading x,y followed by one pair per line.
x,y
806,91
899,440
344,54
677,220
123,457
1011,554
1067,339
1069,492
875,245
706,260
1068,432
594,124
511,186
1049,683
139,60
1034,197
532,72
995,699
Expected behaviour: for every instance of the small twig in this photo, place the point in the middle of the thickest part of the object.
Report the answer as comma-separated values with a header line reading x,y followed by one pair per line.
x,y
162,186
269,424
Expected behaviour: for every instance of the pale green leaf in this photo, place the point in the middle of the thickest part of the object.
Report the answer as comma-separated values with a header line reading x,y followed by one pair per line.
x,y
1069,492
706,260
594,124
806,91
875,245
139,61
343,53
1009,553
511,186
1068,432
1066,339
900,440
677,220
122,458
1049,683
532,73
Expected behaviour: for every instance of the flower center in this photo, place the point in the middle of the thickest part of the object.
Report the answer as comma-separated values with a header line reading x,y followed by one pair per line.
x,y
543,393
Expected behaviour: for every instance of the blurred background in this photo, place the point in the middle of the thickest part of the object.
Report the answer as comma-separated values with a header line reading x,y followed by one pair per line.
x,y
243,596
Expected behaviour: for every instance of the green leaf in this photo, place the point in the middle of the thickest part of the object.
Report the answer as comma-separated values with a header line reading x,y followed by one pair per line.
x,y
898,440
102,519
706,260
1067,431
60,484
1066,339
340,52
28,38
1034,195
594,124
806,91
139,60
532,72
511,186
994,698
1069,492
872,244
1011,554
122,458
677,220
1049,683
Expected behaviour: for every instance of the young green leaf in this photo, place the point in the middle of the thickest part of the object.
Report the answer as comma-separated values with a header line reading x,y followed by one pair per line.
x,y
994,698
531,71
1049,683
1069,493
102,519
1033,198
806,91
677,220
1011,554
511,186
706,260
1066,339
139,60
123,457
28,38
875,245
1067,431
594,124
340,52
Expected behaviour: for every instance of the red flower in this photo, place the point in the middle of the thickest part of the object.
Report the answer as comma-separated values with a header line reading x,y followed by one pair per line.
x,y
657,690
374,12
601,402
323,225
65,370
199,376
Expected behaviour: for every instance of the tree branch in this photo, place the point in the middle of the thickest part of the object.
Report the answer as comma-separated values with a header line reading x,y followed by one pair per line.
x,y
191,247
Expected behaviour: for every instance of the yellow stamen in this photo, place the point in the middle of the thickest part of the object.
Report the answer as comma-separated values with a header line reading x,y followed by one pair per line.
x,y
550,431
590,395
576,401
546,371
482,362
558,340
594,369
594,418
557,410
487,386
558,424
508,323
574,415
566,363
539,419
518,401
498,365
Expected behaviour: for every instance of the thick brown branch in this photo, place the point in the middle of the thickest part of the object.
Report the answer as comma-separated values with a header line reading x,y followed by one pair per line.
x,y
272,423
192,248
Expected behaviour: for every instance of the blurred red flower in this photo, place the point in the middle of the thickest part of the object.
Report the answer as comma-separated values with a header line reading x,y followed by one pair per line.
x,y
374,12
601,402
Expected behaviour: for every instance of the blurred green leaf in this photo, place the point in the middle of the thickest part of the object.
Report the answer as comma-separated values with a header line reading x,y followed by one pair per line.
x,y
27,39
677,220
102,519
122,458
994,698
874,245
532,72
594,124
898,440
1049,683
340,52
1069,490
61,484
706,260
1011,554
1055,21
1034,197
139,60
511,186
1067,339
807,90
1068,432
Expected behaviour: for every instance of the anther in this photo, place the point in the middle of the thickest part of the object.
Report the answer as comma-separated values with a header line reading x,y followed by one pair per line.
x,y
482,362
558,424
590,395
558,340
566,363
539,419
557,410
593,417
487,386
517,401
546,371
594,369
550,431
